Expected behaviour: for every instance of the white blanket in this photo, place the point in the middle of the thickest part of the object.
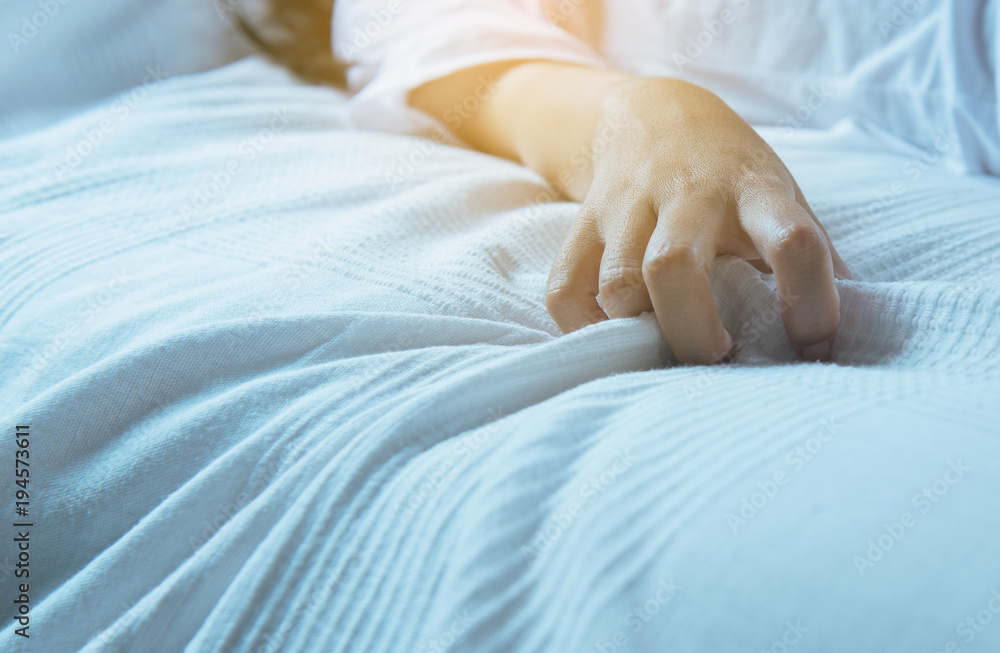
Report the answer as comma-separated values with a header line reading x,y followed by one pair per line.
x,y
279,403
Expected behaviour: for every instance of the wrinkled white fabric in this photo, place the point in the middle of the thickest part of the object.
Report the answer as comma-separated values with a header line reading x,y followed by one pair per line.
x,y
902,69
281,404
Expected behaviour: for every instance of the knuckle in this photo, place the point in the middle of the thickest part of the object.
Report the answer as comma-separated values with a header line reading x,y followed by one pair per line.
x,y
588,223
670,260
627,189
762,177
689,183
620,281
558,298
764,188
589,213
799,241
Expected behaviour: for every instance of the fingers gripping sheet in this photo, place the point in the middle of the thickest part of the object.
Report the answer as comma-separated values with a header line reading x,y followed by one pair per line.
x,y
280,402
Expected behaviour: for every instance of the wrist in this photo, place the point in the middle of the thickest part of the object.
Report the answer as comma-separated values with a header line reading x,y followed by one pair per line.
x,y
552,112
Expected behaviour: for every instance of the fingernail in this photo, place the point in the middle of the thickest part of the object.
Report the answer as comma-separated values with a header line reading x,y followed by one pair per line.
x,y
818,352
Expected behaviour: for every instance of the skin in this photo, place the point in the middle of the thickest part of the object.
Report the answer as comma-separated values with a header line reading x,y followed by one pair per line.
x,y
680,180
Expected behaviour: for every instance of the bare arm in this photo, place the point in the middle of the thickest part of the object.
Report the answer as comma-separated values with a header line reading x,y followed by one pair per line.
x,y
680,179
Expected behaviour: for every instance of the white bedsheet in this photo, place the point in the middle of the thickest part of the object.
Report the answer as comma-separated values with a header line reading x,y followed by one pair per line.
x,y
318,412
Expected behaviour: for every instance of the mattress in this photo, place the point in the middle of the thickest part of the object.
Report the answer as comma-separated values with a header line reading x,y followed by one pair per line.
x,y
292,386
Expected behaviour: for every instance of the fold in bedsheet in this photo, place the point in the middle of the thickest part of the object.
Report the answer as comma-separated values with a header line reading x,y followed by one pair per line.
x,y
280,402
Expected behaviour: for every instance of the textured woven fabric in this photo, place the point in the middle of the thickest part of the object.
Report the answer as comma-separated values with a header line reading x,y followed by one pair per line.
x,y
280,402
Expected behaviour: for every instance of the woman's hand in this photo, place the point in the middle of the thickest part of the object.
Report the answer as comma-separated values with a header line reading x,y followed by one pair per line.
x,y
681,179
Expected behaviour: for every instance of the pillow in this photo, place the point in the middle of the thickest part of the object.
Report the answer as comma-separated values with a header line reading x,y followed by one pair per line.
x,y
60,56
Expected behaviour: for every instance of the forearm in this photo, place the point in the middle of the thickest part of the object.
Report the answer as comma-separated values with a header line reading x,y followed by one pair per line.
x,y
538,113
680,179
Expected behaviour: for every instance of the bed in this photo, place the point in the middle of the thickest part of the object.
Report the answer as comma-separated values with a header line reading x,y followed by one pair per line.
x,y
292,386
